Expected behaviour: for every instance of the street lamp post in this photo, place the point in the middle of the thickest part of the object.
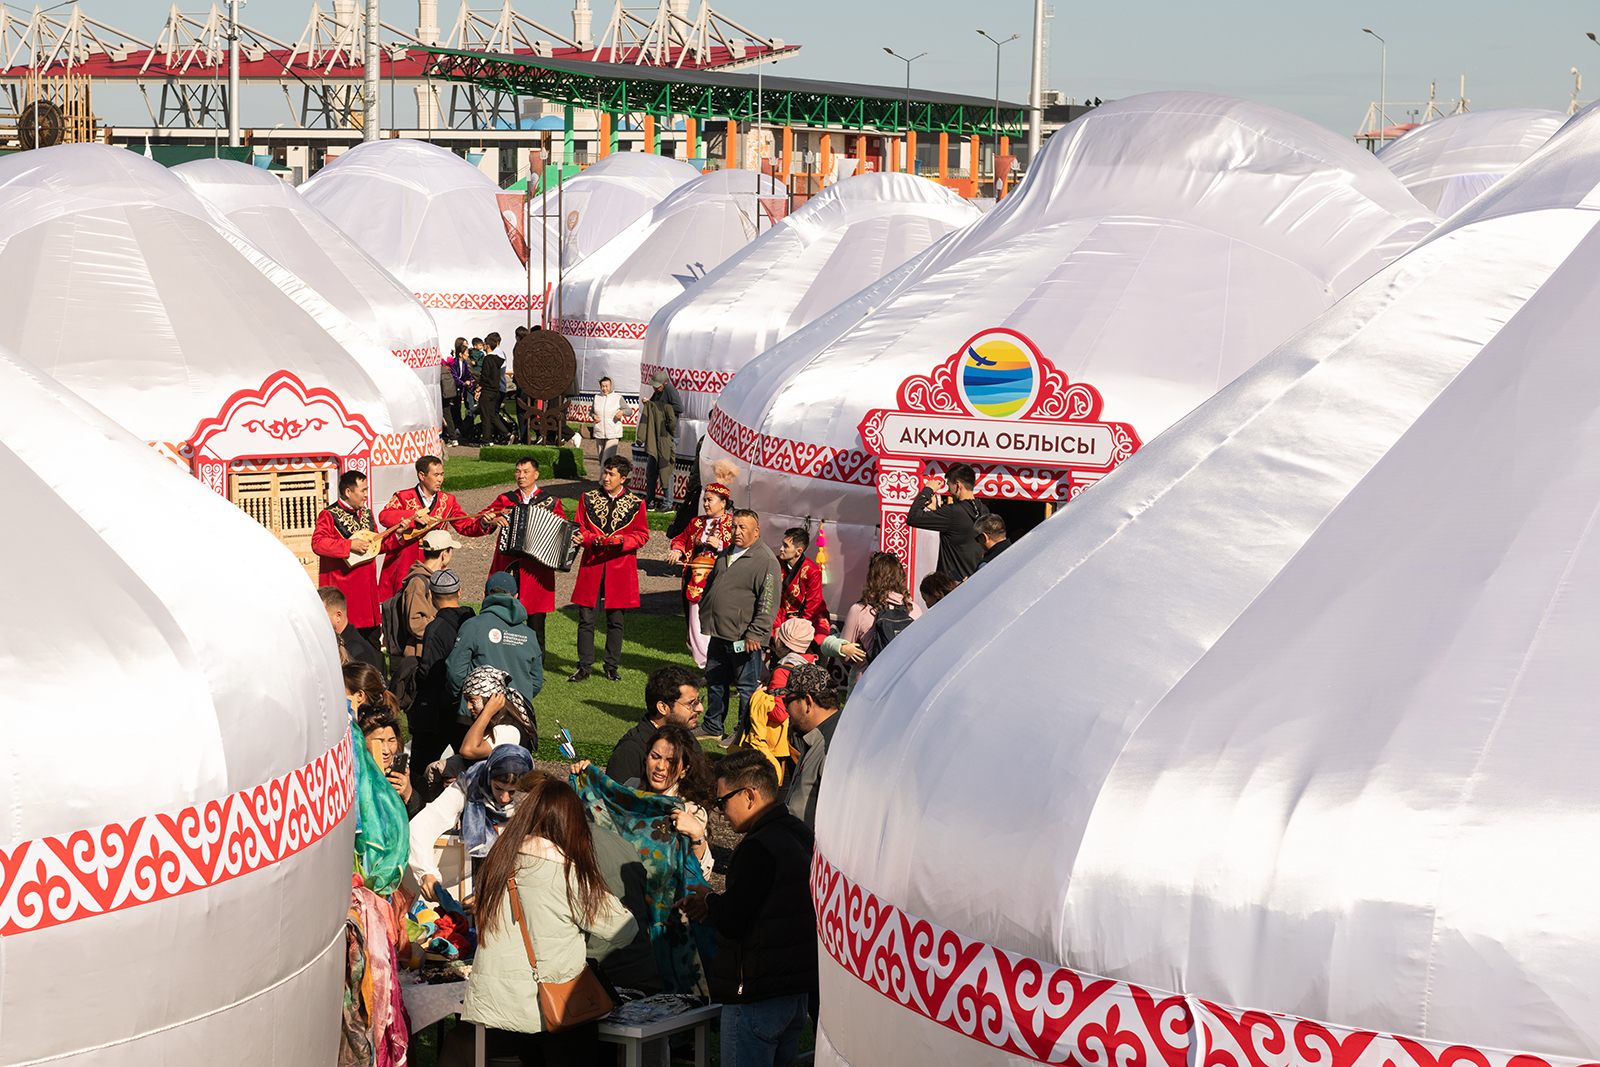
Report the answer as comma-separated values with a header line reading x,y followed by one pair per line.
x,y
996,130
907,62
1383,88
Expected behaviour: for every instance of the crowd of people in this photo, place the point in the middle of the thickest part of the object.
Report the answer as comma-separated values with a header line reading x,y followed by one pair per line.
x,y
612,863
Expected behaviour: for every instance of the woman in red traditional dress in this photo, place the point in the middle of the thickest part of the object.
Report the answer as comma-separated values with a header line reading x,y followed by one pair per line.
x,y
697,547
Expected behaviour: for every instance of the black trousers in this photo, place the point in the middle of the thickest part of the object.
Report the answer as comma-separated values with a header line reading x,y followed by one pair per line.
x,y
428,744
451,407
578,1047
536,624
587,617
489,405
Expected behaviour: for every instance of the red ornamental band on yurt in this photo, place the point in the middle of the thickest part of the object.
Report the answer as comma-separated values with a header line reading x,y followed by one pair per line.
x,y
1000,405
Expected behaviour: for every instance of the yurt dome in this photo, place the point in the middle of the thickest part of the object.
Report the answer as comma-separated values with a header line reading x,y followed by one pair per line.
x,y
275,218
1309,754
599,203
609,299
1447,162
176,764
123,285
1158,248
434,221
839,242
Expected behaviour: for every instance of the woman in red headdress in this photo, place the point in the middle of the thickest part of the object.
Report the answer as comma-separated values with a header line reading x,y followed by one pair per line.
x,y
697,547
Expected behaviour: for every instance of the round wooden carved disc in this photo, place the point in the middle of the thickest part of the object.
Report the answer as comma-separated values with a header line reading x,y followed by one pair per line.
x,y
543,364
40,125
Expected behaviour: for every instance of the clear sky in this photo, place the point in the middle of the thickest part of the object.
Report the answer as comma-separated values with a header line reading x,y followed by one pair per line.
x,y
1308,58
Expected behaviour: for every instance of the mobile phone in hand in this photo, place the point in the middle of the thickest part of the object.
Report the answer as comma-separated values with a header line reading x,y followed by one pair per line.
x,y
401,762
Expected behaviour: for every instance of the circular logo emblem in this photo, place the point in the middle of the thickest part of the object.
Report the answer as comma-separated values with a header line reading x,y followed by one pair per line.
x,y
572,220
494,636
998,376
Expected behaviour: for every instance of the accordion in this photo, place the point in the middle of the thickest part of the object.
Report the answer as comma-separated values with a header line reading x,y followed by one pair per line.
x,y
540,534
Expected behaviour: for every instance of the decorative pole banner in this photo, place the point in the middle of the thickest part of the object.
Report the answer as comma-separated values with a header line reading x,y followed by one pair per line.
x,y
1052,1014
53,880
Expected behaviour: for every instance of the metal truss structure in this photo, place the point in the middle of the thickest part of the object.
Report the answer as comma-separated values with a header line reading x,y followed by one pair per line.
x,y
187,59
706,95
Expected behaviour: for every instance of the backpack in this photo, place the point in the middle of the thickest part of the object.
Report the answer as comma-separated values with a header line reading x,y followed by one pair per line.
x,y
403,668
891,620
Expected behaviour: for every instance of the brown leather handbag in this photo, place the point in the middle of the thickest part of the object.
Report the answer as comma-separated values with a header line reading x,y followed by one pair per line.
x,y
562,1005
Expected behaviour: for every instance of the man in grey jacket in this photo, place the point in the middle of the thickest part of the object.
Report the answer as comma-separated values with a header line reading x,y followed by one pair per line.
x,y
813,706
736,613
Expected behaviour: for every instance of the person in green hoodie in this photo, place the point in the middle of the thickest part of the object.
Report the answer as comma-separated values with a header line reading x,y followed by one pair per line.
x,y
499,636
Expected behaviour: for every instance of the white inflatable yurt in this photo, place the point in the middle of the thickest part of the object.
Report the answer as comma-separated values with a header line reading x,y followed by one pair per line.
x,y
177,774
595,205
275,218
1298,734
608,300
434,221
1159,247
838,243
1447,162
126,287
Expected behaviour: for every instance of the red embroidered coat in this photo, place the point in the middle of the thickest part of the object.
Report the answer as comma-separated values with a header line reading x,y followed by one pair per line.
x,y
700,543
613,530
802,597
401,506
536,583
330,540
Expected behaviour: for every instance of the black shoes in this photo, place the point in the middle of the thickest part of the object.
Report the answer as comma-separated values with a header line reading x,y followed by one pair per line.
x,y
580,674
611,673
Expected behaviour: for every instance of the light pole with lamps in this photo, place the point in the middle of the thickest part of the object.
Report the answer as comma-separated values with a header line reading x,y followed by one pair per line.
x,y
907,62
1383,88
996,130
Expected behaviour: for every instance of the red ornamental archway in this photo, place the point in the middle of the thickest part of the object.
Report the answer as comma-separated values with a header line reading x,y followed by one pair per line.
x,y
282,419
999,405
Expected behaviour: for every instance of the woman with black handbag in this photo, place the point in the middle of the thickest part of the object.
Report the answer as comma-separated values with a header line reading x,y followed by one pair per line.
x,y
543,911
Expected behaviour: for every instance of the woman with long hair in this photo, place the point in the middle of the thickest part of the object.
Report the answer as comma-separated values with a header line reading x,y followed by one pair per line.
x,y
545,855
378,718
664,817
885,588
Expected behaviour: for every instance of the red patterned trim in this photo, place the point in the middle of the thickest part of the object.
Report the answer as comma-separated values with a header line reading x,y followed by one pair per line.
x,y
395,449
633,331
688,378
480,301
418,358
1053,1014
848,465
53,880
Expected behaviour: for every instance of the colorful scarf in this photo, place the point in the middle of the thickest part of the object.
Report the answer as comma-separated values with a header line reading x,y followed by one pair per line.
x,y
645,821
481,817
383,830
485,681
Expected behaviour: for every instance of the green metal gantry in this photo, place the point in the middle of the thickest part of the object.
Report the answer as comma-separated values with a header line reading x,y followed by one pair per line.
x,y
708,95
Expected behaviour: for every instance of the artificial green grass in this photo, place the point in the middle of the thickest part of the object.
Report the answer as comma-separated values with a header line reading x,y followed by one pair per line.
x,y
553,462
596,710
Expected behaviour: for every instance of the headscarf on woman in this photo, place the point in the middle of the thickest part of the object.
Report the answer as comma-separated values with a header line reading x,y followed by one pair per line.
x,y
481,817
644,820
486,681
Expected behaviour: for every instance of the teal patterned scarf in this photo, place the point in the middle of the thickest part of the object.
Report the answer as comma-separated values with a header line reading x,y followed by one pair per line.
x,y
644,820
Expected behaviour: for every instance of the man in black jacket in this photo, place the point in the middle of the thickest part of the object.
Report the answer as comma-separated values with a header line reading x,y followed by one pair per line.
x,y
960,552
671,694
992,536
766,964
433,719
491,392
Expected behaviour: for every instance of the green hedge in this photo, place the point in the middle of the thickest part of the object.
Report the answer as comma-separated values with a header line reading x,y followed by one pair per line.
x,y
553,462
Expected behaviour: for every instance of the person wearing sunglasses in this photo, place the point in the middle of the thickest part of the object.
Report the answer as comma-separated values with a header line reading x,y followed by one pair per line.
x,y
765,969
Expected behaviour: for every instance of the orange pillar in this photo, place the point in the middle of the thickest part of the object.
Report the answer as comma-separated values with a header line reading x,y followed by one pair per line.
x,y
911,151
691,148
825,158
972,170
731,160
1005,150
649,133
861,152
605,134
788,151
944,155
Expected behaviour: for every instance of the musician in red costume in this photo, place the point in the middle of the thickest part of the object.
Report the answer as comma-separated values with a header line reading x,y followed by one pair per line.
x,y
696,548
536,583
346,528
611,528
802,584
416,511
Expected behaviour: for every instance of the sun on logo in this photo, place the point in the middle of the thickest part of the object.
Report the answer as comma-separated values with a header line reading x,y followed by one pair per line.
x,y
998,375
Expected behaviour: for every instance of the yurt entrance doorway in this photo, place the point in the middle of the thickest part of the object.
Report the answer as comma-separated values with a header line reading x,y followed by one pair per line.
x,y
1020,515
285,502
